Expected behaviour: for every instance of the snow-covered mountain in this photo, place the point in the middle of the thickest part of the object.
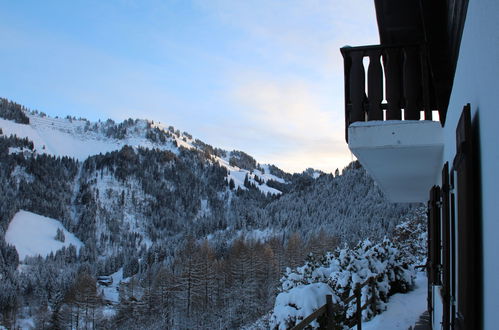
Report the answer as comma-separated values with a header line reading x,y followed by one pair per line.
x,y
181,220
80,139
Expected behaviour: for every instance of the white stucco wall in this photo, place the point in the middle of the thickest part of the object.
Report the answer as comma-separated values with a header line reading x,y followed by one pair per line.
x,y
437,307
477,82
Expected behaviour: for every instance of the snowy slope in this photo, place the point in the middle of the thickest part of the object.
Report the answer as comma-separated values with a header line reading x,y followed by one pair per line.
x,y
33,235
238,175
65,137
60,137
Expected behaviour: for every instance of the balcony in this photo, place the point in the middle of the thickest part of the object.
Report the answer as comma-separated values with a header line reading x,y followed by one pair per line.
x,y
388,117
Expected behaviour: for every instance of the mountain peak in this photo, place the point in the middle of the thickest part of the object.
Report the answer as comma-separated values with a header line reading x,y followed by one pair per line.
x,y
81,138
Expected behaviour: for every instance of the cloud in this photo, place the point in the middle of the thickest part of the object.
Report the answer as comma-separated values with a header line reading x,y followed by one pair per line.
x,y
284,108
261,76
291,95
304,33
293,125
325,160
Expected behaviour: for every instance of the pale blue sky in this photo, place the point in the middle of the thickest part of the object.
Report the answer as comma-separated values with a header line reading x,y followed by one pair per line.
x,y
261,76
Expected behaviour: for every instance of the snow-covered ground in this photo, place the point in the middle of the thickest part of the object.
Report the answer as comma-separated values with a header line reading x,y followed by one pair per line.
x,y
403,310
238,176
51,137
257,235
111,293
33,235
24,323
62,137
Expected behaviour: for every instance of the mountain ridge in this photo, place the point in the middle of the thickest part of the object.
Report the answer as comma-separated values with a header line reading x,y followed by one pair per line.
x,y
80,139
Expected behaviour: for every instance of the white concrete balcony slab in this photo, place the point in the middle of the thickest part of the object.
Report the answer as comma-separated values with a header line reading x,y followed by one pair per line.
x,y
403,157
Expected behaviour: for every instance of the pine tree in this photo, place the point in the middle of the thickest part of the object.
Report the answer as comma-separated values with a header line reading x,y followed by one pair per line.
x,y
86,299
246,181
165,290
294,251
190,278
59,236
206,256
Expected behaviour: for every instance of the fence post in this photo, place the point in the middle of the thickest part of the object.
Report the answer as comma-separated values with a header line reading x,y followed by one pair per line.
x,y
373,290
359,307
329,311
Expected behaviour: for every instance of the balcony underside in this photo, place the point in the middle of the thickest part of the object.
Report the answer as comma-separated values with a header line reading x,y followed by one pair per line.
x,y
403,157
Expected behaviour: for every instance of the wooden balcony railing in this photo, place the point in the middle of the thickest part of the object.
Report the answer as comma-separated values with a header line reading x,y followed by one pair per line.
x,y
398,81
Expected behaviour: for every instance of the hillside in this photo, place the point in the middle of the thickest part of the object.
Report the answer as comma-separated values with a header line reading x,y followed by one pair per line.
x,y
182,220
34,235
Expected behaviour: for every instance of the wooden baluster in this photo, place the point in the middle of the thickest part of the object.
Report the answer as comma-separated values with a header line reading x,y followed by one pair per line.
x,y
412,83
357,87
359,307
393,83
347,61
425,77
375,86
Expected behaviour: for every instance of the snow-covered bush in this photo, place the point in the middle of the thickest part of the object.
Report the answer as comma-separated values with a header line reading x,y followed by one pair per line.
x,y
411,237
342,271
299,302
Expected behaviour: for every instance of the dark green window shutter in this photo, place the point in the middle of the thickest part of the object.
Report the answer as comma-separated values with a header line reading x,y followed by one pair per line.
x,y
446,247
434,235
469,268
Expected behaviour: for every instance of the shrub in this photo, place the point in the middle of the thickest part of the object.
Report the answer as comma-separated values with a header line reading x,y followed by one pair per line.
x,y
342,271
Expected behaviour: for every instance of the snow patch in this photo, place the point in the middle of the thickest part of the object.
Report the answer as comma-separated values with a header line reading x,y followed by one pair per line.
x,y
62,137
16,150
257,235
111,292
32,235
